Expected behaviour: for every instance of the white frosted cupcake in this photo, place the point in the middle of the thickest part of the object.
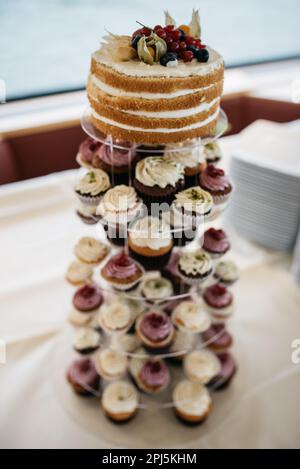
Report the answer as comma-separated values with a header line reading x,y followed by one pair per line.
x,y
201,366
195,266
86,340
190,316
226,272
212,152
119,401
115,317
183,342
156,289
192,402
90,251
92,186
191,156
111,364
78,273
193,204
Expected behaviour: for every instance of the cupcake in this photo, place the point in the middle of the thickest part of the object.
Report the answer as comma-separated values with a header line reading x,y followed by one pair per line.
x,y
86,303
117,208
214,181
115,317
171,272
192,402
189,209
151,375
156,289
217,338
119,401
155,330
191,317
191,157
215,242
150,242
212,152
157,179
87,213
127,343
87,340
219,301
83,377
122,272
226,272
195,266
111,364
228,370
78,273
92,186
182,343
118,160
90,251
201,366
87,152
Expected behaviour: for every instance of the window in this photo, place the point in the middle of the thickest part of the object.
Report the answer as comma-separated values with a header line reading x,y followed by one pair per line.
x,y
45,45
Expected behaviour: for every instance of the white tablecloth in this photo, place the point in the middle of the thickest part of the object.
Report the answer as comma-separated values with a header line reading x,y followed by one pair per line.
x,y
38,229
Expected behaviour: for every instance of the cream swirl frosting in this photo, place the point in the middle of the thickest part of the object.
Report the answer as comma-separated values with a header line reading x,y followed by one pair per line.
x,y
201,366
111,362
227,271
119,204
119,397
115,316
86,337
191,398
158,171
156,289
193,200
150,232
195,262
191,316
90,249
93,183
188,157
79,272
212,151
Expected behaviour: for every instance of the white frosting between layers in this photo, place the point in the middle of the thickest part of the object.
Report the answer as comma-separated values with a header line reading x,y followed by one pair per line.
x,y
137,68
196,125
191,398
120,397
201,366
112,91
150,232
177,113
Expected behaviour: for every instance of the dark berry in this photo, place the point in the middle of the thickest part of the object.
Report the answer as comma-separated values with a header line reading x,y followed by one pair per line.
x,y
183,35
146,31
187,55
169,56
169,41
174,47
190,41
198,43
137,33
176,34
161,33
194,49
182,45
135,40
202,55
158,26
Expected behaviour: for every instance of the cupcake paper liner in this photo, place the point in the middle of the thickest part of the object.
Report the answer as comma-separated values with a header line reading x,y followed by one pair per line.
x,y
89,199
194,281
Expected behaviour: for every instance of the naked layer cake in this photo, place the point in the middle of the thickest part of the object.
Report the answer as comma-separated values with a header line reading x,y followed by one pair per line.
x,y
160,85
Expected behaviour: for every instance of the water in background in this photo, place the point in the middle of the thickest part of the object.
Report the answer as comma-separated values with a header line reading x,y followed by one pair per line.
x,y
45,45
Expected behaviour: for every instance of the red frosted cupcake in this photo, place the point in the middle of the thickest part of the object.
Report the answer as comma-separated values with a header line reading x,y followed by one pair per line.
x,y
118,161
215,242
217,338
122,272
154,376
219,301
214,181
83,377
86,303
155,330
87,152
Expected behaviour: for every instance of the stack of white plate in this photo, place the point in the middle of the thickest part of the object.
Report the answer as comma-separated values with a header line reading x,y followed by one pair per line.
x,y
265,171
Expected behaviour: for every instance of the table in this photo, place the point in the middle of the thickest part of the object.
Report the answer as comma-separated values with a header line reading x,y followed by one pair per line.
x,y
38,230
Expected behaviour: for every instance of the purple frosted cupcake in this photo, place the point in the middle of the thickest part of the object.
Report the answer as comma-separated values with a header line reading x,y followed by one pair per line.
x,y
122,272
219,301
215,242
155,330
87,153
154,376
83,377
214,181
117,162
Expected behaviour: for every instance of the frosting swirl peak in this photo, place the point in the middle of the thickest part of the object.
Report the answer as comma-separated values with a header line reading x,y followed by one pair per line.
x,y
158,171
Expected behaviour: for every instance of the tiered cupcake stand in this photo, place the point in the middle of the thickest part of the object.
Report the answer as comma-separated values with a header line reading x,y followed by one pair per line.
x,y
155,416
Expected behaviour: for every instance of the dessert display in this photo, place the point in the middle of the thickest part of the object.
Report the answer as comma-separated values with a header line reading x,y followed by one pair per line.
x,y
148,317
